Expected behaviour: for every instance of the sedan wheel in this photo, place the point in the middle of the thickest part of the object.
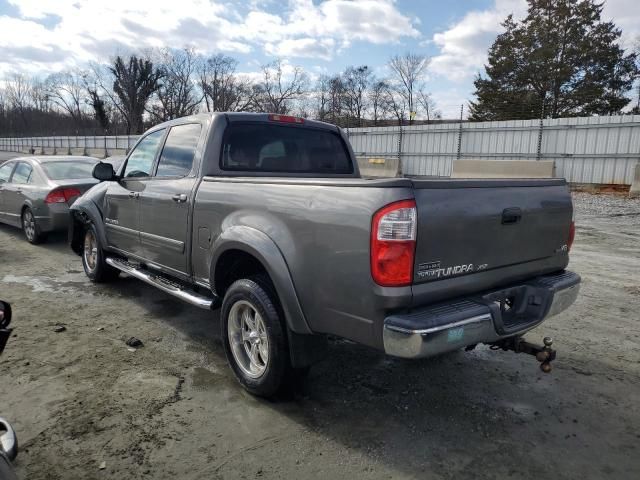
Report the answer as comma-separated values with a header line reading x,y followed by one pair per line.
x,y
29,225
30,228
248,339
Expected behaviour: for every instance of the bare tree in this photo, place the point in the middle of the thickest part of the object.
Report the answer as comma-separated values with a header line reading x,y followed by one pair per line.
x,y
18,88
277,91
379,101
223,90
355,83
39,96
66,90
398,104
176,96
408,72
428,105
135,81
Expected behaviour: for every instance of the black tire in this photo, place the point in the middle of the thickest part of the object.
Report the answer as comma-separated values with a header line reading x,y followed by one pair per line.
x,y
30,227
93,261
258,293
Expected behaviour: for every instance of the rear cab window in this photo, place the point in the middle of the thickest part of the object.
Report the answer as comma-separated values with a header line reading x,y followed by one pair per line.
x,y
268,147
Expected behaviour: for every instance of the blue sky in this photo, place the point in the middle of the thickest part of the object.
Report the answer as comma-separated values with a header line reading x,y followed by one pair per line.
x,y
323,36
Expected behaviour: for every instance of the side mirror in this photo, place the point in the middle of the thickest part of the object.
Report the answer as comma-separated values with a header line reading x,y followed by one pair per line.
x,y
104,172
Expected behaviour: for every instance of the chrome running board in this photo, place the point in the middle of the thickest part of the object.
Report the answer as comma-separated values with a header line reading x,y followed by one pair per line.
x,y
165,284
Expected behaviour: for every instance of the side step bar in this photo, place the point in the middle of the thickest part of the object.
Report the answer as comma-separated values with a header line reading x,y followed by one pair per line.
x,y
165,284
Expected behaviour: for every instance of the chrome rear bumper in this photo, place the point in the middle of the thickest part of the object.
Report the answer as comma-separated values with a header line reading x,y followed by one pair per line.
x,y
483,319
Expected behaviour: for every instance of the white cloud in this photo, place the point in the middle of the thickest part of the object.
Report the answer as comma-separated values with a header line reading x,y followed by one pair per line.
x,y
464,45
93,30
321,48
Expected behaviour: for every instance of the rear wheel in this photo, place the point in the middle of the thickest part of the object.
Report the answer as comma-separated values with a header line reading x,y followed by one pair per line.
x,y
254,336
93,258
31,229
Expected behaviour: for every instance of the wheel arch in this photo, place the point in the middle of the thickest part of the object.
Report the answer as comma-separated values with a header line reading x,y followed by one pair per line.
x,y
254,249
81,215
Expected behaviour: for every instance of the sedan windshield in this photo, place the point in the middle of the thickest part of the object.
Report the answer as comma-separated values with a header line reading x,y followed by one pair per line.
x,y
68,170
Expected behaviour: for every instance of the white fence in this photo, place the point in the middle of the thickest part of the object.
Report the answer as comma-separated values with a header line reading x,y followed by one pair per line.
x,y
601,150
67,145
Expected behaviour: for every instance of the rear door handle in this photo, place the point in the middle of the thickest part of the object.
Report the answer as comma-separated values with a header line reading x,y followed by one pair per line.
x,y
511,215
134,194
179,197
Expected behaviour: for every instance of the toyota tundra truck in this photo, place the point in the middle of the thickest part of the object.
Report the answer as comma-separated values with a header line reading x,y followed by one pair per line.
x,y
267,218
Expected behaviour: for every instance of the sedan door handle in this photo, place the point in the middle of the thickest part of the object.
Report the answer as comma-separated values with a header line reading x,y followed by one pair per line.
x,y
134,194
179,197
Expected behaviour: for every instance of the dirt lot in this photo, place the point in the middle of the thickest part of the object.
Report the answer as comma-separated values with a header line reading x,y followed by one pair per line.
x,y
171,409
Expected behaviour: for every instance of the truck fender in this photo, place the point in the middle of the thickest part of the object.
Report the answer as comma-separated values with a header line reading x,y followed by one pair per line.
x,y
82,213
305,347
263,248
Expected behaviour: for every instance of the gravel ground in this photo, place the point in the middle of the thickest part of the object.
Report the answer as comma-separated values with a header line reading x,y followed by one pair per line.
x,y
85,406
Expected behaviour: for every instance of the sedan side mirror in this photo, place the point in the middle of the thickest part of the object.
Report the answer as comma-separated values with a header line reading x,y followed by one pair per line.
x,y
104,172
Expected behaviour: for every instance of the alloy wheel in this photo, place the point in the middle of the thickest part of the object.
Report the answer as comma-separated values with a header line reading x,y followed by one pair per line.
x,y
248,339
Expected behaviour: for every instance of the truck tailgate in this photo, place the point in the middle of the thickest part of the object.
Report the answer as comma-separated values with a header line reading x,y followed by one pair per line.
x,y
469,227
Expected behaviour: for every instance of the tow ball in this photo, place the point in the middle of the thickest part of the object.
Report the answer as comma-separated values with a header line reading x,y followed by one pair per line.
x,y
543,353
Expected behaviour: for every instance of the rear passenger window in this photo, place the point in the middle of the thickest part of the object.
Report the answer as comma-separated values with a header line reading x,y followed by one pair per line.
x,y
22,173
267,147
179,149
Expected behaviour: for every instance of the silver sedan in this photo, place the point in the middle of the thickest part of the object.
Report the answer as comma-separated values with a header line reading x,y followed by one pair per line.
x,y
36,192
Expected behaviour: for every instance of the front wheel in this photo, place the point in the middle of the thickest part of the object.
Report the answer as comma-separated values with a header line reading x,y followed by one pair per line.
x,y
93,258
254,337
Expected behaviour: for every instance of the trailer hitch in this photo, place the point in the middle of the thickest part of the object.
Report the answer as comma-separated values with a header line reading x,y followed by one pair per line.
x,y
543,353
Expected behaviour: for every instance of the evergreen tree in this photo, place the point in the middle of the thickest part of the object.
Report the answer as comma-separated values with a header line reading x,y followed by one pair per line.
x,y
561,56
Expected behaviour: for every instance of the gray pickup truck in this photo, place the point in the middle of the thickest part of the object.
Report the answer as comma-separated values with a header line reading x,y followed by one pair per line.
x,y
267,217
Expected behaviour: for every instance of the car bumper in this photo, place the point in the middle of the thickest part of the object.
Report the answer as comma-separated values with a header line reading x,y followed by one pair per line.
x,y
485,318
54,218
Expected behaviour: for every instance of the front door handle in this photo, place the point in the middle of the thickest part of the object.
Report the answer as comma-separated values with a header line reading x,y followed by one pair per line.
x,y
134,194
179,197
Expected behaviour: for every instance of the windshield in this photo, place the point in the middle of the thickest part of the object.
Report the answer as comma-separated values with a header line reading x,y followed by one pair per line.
x,y
68,170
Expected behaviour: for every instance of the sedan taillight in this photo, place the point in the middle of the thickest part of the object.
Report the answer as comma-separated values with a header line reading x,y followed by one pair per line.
x,y
393,244
62,195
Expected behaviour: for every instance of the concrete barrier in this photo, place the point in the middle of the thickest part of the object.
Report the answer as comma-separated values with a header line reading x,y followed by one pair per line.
x,y
503,169
97,152
634,191
378,167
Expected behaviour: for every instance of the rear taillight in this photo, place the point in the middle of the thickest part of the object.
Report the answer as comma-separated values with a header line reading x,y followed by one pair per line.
x,y
285,118
393,244
62,195
572,235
